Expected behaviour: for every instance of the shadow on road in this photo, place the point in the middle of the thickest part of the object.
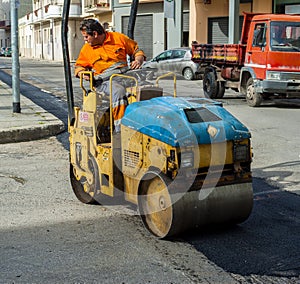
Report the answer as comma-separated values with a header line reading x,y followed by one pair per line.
x,y
276,103
266,244
281,103
281,174
45,100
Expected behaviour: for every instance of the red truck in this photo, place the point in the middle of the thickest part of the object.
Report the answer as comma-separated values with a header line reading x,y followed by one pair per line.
x,y
264,65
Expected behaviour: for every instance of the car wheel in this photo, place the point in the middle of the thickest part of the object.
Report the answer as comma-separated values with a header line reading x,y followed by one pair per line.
x,y
188,74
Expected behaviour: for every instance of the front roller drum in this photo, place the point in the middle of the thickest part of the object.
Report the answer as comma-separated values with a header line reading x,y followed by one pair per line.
x,y
165,214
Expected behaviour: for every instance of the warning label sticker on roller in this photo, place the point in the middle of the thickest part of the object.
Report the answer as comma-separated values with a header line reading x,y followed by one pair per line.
x,y
83,116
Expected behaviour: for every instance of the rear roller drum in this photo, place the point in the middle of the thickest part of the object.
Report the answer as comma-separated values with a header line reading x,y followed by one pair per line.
x,y
85,191
78,189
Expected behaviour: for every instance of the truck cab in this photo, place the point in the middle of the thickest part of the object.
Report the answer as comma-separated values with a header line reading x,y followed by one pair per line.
x,y
272,58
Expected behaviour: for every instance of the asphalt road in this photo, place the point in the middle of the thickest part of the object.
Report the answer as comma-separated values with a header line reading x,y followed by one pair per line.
x,y
274,125
47,236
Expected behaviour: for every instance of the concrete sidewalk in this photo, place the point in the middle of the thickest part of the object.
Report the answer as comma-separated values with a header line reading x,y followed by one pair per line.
x,y
32,123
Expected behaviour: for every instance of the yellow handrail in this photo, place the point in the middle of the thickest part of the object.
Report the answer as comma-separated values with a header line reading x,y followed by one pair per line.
x,y
168,75
90,74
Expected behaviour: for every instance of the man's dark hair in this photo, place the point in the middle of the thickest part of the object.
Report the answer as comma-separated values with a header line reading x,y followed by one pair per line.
x,y
90,26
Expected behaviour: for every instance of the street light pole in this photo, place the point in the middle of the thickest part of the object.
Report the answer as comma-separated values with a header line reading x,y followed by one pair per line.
x,y
132,18
15,55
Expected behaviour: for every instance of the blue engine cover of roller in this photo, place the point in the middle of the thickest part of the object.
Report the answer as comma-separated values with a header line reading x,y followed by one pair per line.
x,y
181,121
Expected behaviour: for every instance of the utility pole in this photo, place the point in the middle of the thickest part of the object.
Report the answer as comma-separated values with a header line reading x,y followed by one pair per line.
x,y
132,18
173,13
14,5
234,8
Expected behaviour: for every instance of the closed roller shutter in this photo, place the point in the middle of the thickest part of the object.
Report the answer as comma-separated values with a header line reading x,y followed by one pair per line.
x,y
218,29
186,22
143,32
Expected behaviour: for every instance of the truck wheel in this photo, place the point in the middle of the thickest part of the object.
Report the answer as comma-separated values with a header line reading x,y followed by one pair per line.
x,y
221,89
253,99
188,74
82,187
210,85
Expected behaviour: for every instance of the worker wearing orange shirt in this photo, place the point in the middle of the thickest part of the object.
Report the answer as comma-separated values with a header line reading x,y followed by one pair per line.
x,y
105,53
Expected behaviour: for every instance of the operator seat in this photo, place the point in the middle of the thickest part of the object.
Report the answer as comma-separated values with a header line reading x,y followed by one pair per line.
x,y
148,92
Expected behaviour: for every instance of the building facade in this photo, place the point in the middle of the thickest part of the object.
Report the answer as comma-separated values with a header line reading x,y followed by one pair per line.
x,y
40,30
5,37
206,21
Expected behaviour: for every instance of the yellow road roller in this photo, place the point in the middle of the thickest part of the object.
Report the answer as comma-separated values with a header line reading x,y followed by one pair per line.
x,y
184,161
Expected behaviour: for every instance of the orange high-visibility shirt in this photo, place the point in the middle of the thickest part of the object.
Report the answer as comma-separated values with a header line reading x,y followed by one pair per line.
x,y
114,49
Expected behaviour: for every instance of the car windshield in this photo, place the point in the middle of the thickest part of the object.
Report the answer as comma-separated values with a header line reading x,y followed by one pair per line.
x,y
164,56
285,36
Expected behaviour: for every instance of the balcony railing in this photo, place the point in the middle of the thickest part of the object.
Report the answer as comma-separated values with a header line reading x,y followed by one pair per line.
x,y
54,11
5,24
97,6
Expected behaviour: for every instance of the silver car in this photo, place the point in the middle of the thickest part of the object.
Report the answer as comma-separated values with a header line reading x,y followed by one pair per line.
x,y
177,60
